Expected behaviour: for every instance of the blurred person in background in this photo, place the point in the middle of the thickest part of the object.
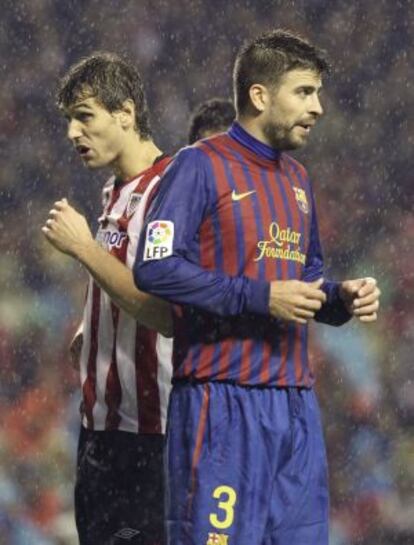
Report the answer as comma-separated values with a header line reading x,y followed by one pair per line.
x,y
210,117
241,254
122,346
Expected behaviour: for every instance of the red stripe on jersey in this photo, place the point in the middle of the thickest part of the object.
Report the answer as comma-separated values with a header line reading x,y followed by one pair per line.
x,y
247,349
113,393
204,368
89,393
148,397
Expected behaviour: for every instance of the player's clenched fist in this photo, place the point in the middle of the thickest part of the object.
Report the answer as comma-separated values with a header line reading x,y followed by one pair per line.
x,y
66,229
294,300
361,297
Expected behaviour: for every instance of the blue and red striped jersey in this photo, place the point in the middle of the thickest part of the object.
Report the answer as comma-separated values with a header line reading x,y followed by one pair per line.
x,y
231,215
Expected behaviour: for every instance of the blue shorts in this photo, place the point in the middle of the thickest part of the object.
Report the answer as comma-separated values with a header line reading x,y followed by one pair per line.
x,y
246,466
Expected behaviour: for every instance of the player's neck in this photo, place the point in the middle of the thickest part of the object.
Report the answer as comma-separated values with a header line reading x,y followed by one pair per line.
x,y
137,155
251,126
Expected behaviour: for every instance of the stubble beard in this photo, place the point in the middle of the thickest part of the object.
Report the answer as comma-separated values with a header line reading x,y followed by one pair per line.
x,y
279,137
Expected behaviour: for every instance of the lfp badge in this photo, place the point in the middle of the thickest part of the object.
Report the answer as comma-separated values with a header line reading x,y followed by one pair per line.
x,y
159,240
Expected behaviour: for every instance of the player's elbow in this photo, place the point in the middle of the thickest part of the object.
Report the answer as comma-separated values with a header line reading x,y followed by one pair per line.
x,y
142,276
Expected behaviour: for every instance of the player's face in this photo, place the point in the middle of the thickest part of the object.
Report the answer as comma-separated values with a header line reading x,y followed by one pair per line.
x,y
293,109
95,132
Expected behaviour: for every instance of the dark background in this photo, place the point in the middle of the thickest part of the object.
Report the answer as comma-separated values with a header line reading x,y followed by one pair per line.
x,y
360,160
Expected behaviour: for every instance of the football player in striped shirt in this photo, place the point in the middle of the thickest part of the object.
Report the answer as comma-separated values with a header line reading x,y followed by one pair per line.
x,y
125,358
210,117
233,242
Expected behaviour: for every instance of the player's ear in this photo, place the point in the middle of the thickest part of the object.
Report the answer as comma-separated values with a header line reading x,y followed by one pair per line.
x,y
259,96
127,114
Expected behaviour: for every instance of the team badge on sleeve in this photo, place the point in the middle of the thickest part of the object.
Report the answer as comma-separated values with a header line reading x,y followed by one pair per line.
x,y
133,203
301,199
159,240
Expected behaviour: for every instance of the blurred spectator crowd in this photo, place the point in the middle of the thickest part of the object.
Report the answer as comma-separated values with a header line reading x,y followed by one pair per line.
x,y
359,159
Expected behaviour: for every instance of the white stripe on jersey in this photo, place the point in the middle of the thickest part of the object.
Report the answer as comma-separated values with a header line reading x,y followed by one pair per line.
x,y
111,235
125,351
164,354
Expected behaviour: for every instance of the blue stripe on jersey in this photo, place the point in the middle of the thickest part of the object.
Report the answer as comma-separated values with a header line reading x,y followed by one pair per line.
x,y
290,371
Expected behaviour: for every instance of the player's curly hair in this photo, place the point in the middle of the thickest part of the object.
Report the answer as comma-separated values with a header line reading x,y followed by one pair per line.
x,y
111,80
266,58
216,114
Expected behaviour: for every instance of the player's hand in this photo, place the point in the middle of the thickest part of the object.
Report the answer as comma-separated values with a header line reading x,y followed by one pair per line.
x,y
296,301
66,229
361,297
75,349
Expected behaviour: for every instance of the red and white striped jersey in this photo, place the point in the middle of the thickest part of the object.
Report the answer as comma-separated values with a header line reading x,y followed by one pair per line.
x,y
125,368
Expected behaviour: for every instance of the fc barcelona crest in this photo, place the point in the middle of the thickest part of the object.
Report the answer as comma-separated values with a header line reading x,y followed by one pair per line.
x,y
133,203
217,539
301,199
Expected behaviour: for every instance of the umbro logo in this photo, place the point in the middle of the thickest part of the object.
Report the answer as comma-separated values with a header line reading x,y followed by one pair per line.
x,y
127,533
239,196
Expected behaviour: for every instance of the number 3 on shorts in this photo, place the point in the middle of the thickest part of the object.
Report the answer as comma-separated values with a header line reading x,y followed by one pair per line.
x,y
228,498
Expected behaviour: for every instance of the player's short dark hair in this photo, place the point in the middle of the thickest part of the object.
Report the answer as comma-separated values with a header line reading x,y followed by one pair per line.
x,y
266,58
216,114
111,80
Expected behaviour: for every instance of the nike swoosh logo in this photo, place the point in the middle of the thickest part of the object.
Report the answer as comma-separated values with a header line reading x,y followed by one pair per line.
x,y
239,196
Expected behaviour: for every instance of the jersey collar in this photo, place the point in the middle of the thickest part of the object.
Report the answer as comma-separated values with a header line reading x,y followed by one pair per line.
x,y
244,138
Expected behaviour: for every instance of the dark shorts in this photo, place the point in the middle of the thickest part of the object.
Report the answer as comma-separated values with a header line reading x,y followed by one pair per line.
x,y
247,466
119,491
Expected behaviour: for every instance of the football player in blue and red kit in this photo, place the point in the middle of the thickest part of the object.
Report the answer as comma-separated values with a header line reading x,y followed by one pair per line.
x,y
232,240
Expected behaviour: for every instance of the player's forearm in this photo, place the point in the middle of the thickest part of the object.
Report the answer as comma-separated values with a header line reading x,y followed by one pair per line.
x,y
180,281
117,281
